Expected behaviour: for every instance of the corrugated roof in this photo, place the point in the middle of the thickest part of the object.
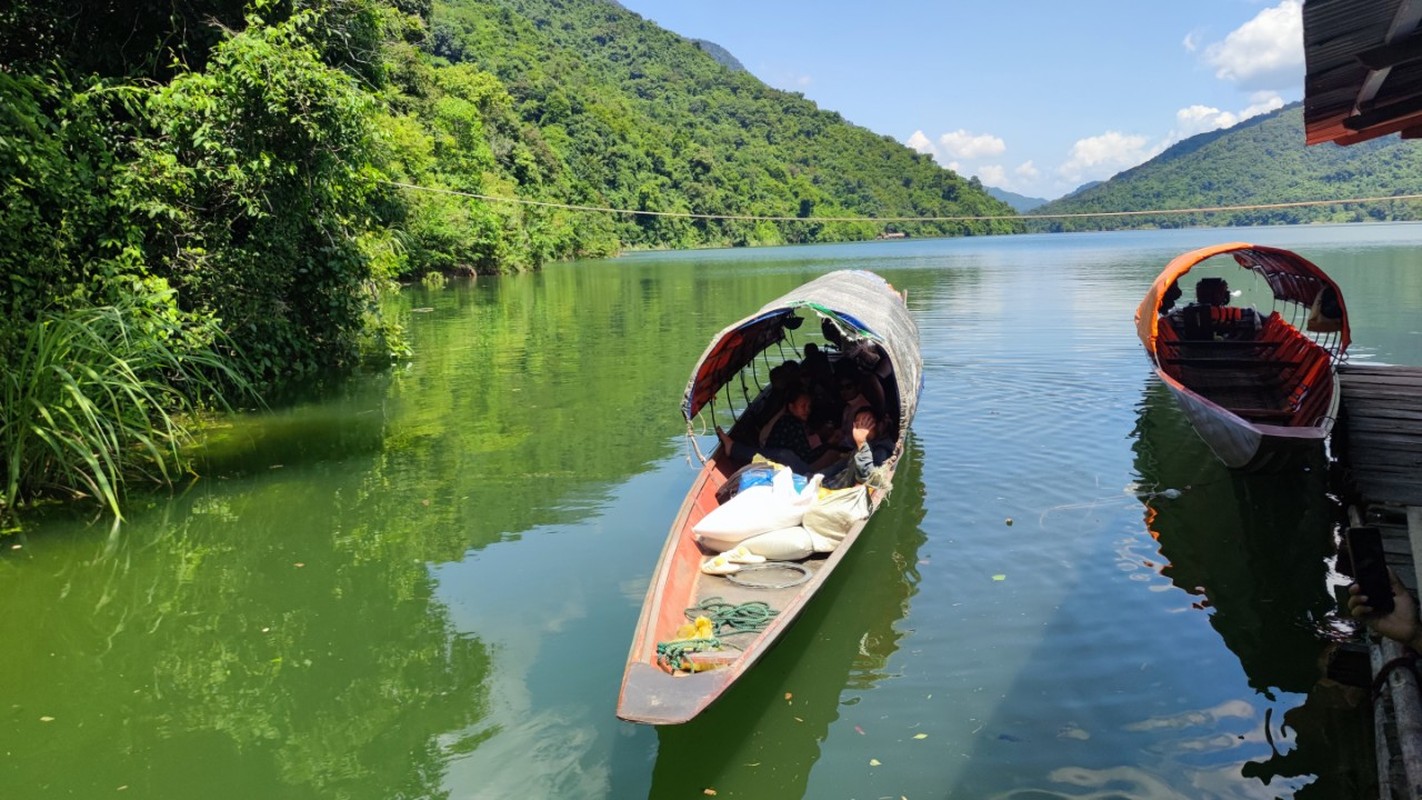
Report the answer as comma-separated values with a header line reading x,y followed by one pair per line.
x,y
1363,74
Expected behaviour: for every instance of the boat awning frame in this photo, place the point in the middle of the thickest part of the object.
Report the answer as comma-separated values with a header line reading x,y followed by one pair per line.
x,y
1291,277
863,305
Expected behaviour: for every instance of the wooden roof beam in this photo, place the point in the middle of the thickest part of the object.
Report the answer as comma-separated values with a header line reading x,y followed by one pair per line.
x,y
1383,114
1393,54
1404,24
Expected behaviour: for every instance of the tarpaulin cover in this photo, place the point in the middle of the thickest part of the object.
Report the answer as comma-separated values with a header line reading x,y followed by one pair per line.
x,y
861,303
1292,278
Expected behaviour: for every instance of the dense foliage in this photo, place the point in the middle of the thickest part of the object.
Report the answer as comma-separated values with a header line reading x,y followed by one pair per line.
x,y
650,121
1259,161
253,173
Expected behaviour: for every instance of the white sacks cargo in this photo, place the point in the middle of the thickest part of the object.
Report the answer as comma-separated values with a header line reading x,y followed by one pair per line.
x,y
782,524
756,510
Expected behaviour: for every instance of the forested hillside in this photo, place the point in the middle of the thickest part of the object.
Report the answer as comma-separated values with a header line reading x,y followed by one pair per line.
x,y
1259,161
650,121
199,196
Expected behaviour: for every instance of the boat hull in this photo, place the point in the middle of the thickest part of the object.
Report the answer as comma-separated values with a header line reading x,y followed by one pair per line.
x,y
653,694
1242,444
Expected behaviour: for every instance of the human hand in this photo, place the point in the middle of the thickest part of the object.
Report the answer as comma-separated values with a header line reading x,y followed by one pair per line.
x,y
864,425
1401,623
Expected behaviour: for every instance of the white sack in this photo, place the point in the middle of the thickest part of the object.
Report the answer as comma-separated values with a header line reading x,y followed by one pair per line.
x,y
786,544
759,509
831,518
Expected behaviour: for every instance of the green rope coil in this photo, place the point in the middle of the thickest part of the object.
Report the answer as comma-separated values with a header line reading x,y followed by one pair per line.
x,y
730,619
673,653
727,619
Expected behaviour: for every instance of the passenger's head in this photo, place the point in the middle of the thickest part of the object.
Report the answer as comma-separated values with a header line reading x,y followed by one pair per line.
x,y
1171,295
785,375
1212,292
846,378
799,405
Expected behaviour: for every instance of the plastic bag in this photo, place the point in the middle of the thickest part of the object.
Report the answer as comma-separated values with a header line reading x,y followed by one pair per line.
x,y
759,509
756,473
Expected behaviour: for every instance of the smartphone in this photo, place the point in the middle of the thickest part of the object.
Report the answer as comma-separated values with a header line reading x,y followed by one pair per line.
x,y
1370,567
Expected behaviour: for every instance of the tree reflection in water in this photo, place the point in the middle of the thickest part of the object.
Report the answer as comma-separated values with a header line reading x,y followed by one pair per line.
x,y
1253,549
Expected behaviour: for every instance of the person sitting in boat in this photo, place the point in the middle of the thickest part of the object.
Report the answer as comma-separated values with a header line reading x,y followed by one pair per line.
x,y
1212,316
873,444
1172,294
856,390
788,440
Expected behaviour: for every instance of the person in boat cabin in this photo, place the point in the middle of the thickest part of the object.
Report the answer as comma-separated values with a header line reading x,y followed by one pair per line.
x,y
873,444
1172,294
817,377
788,440
1212,316
856,390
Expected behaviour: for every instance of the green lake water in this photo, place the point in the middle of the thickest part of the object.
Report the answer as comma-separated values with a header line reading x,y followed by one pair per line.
x,y
423,583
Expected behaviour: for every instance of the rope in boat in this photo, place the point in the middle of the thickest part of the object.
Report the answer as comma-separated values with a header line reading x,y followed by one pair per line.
x,y
673,654
962,218
730,619
727,619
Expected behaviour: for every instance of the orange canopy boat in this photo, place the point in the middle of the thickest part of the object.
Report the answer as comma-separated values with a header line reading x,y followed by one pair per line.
x,y
1256,387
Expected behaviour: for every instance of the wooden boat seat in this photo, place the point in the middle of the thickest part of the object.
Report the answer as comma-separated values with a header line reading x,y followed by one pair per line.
x,y
1262,413
1208,361
713,658
1221,344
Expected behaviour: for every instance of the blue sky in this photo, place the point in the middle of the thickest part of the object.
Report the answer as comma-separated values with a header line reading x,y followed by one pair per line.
x,y
1036,96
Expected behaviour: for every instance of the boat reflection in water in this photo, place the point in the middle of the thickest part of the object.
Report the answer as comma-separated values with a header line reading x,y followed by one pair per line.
x,y
763,738
1252,549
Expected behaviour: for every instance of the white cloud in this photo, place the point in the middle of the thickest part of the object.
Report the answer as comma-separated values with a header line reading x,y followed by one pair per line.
x,y
1191,42
961,144
1027,170
1099,157
992,175
1263,53
1262,103
956,166
1199,119
920,142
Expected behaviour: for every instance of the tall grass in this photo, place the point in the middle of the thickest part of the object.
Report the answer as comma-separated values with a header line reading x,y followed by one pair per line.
x,y
92,398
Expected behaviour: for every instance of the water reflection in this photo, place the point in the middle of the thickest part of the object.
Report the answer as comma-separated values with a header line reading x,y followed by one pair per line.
x,y
764,738
1252,550
205,639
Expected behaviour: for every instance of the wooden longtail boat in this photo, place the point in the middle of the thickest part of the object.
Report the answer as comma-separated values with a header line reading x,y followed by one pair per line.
x,y
866,313
1255,389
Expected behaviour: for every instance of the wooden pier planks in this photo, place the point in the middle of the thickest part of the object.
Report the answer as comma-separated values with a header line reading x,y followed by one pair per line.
x,y
1382,428
1381,448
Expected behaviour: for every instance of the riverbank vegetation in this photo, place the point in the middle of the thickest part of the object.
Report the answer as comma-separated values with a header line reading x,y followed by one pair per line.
x,y
219,191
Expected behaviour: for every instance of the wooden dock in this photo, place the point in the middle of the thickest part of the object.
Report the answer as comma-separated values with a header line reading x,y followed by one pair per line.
x,y
1378,444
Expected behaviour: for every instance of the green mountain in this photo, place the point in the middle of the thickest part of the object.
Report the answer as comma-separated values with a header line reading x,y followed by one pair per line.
x,y
1261,161
1020,203
643,119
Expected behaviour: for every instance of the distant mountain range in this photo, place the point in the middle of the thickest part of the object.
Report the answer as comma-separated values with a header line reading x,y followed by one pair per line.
x,y
720,54
1020,203
1260,161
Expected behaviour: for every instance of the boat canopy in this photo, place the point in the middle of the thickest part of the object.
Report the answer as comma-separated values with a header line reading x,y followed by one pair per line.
x,y
861,304
1292,278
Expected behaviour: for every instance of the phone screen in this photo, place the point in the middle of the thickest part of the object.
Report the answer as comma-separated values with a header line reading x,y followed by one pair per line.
x,y
1370,567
